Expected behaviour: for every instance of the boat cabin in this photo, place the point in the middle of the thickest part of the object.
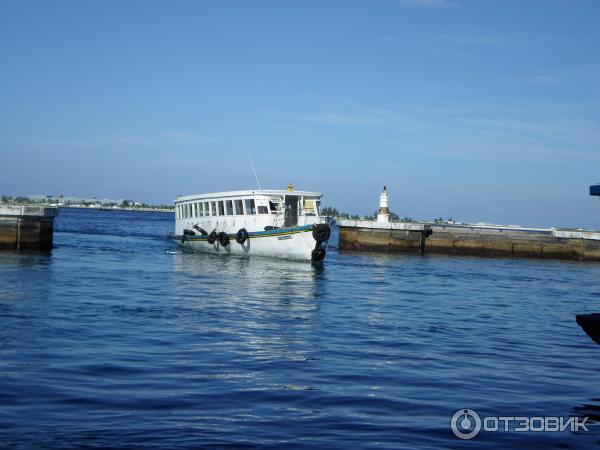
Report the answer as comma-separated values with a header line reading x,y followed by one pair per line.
x,y
281,208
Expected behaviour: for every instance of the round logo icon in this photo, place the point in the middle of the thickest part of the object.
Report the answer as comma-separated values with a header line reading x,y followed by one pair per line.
x,y
465,424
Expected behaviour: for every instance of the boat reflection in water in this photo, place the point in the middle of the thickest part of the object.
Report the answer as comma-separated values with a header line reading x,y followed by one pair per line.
x,y
248,310
247,277
212,278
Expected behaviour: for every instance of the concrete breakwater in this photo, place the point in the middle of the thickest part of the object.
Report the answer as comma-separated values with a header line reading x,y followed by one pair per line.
x,y
383,236
26,227
462,239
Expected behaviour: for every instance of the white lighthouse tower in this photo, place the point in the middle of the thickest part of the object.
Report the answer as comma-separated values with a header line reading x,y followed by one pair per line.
x,y
383,215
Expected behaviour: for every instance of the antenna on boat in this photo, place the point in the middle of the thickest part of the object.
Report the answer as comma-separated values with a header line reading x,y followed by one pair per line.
x,y
254,171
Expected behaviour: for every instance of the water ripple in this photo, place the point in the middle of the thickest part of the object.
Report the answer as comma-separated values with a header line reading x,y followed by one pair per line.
x,y
120,339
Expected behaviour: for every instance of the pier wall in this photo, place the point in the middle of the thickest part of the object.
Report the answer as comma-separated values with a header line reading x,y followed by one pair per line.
x,y
382,236
26,227
472,240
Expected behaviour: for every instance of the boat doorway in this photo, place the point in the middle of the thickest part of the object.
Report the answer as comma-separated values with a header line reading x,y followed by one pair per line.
x,y
291,211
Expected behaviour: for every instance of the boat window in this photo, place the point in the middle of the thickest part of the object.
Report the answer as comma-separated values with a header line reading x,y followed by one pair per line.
x,y
196,210
263,210
250,206
200,209
206,209
221,208
229,206
239,207
309,207
213,206
318,203
272,207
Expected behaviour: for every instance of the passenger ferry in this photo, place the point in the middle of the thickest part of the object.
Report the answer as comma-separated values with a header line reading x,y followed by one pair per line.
x,y
277,223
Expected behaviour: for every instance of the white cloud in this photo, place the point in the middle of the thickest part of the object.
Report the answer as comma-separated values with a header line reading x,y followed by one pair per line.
x,y
546,79
531,128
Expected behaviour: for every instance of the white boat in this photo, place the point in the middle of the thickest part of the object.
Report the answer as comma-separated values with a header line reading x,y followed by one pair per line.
x,y
276,223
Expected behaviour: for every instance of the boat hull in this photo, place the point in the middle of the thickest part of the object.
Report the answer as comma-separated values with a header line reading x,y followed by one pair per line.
x,y
295,243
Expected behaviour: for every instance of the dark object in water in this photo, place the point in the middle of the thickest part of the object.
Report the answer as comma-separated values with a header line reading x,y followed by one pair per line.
x,y
591,325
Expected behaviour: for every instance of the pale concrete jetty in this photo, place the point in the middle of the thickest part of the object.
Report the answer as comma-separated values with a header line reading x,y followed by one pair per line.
x,y
26,227
548,243
466,239
383,236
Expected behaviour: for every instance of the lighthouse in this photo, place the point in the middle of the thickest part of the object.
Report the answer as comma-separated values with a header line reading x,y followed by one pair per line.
x,y
383,215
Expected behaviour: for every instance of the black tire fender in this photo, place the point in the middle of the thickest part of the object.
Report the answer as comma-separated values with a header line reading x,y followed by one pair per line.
x,y
223,239
212,237
321,232
241,236
318,254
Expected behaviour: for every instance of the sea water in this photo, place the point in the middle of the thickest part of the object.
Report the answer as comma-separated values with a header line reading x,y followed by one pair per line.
x,y
121,339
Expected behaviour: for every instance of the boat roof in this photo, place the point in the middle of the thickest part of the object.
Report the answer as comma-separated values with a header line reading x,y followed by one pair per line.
x,y
265,192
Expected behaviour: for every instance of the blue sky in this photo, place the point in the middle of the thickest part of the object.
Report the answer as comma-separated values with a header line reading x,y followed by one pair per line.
x,y
479,110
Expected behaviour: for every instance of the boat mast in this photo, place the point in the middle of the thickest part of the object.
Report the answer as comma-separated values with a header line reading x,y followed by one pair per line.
x,y
254,171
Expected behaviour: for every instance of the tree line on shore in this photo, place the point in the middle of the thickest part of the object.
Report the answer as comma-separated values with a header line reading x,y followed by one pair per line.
x,y
69,202
333,212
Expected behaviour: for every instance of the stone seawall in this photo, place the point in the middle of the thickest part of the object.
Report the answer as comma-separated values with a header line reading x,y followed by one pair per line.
x,y
26,227
470,240
382,236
